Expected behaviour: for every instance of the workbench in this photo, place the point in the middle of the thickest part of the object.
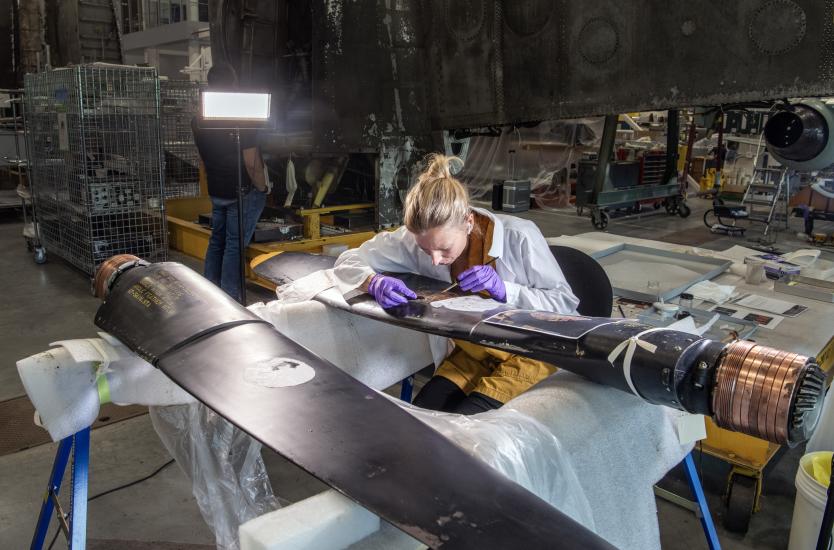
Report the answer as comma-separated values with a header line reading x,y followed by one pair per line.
x,y
191,238
810,333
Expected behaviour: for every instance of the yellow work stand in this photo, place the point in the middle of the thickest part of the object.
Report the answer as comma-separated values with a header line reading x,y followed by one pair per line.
x,y
192,239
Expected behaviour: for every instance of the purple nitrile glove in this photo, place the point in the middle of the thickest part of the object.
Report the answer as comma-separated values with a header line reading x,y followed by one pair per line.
x,y
481,278
389,291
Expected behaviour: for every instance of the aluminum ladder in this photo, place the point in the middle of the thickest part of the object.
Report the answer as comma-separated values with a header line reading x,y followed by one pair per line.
x,y
768,188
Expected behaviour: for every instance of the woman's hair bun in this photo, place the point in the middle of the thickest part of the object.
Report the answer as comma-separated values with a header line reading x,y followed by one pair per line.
x,y
437,198
440,166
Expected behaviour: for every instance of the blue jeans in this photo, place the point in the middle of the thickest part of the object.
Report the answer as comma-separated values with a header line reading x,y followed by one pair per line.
x,y
222,265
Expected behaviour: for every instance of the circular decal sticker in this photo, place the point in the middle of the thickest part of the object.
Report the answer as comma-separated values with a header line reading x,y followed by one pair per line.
x,y
279,372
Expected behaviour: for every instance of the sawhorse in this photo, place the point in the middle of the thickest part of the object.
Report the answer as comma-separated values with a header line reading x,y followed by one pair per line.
x,y
74,523
699,506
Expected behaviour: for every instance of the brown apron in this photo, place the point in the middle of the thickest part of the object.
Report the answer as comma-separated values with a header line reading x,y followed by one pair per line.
x,y
491,372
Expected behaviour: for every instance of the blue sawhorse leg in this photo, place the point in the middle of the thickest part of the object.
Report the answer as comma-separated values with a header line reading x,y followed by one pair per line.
x,y
701,500
80,477
52,488
75,528
407,389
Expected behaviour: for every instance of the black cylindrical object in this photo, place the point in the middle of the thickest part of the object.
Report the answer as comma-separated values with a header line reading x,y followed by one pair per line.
x,y
745,387
498,196
798,134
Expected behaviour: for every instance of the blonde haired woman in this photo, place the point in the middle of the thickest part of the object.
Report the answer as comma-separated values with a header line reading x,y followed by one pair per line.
x,y
446,238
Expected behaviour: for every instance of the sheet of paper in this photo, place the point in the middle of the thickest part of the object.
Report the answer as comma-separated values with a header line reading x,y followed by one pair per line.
x,y
690,427
710,291
467,303
737,253
764,320
771,305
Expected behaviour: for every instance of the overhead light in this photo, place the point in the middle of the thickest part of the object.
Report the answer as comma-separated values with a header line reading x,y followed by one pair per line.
x,y
236,106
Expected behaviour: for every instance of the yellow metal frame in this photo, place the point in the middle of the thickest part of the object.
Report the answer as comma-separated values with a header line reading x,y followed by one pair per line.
x,y
313,217
192,239
746,454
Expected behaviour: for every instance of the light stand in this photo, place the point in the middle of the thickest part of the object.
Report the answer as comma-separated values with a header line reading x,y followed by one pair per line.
x,y
250,110
240,238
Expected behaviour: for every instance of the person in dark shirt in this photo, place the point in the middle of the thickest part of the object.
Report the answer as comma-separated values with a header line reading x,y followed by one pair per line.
x,y
219,154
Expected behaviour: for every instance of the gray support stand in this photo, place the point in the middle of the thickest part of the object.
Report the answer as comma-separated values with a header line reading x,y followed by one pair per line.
x,y
606,148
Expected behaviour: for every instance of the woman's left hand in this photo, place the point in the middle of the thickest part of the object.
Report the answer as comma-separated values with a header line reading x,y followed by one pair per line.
x,y
482,278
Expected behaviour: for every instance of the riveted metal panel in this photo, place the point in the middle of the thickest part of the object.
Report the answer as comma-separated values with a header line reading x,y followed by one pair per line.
x,y
500,62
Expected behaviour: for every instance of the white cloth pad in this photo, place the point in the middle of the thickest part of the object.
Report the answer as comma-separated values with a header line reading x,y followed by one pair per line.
x,y
592,451
62,382
619,445
377,354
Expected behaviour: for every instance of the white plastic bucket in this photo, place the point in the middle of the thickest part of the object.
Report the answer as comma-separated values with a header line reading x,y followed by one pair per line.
x,y
811,496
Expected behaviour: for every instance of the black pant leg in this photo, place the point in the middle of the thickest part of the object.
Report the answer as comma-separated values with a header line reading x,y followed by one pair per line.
x,y
476,403
439,394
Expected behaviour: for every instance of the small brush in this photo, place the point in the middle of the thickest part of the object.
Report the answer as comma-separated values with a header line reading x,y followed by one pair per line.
x,y
456,283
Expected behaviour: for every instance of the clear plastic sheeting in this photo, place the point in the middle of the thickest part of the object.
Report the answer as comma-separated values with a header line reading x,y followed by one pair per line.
x,y
592,451
519,447
543,154
228,475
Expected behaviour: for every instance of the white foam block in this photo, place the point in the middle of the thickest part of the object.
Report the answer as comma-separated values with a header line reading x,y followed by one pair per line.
x,y
61,383
63,391
327,521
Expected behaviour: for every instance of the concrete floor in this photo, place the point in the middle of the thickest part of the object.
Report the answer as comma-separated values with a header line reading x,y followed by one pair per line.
x,y
44,303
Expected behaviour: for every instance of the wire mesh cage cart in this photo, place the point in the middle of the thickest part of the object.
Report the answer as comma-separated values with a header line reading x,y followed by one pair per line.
x,y
179,103
96,162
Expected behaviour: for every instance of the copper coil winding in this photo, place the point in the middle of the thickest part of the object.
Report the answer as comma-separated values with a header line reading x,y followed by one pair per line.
x,y
766,392
756,366
727,376
774,377
106,272
777,412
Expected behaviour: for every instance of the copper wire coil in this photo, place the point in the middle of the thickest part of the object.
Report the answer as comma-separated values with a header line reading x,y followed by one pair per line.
x,y
740,387
726,379
756,389
759,376
785,372
721,379
769,371
755,363
762,387
772,378
107,270
788,393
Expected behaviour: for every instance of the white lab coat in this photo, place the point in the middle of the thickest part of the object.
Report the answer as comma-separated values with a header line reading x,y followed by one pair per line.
x,y
524,262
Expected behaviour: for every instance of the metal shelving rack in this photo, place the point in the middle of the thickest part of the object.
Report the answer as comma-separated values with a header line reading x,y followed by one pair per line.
x,y
96,162
12,157
180,102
